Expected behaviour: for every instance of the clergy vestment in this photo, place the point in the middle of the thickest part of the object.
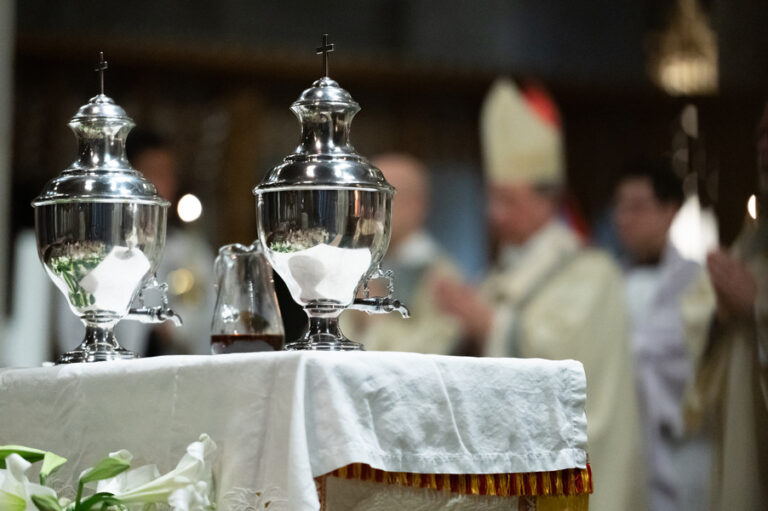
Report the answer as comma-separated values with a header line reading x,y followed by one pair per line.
x,y
416,263
733,380
554,299
670,305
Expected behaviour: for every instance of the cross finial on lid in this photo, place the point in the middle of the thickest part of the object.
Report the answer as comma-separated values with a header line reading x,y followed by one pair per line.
x,y
325,49
101,66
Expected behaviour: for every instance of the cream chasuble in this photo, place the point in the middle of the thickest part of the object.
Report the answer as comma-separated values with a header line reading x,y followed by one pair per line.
x,y
733,383
555,300
416,263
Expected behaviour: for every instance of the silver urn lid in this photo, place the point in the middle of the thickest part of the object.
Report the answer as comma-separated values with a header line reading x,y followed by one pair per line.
x,y
101,172
324,159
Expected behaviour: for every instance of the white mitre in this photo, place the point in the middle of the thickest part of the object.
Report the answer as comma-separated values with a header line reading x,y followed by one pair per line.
x,y
519,145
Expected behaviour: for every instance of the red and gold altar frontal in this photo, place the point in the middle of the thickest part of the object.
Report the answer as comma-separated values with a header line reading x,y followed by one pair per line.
x,y
567,489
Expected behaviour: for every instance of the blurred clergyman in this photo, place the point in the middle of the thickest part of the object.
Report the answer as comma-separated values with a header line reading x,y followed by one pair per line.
x,y
548,296
734,372
670,302
416,260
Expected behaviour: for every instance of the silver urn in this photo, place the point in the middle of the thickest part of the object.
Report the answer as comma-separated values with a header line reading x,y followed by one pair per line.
x,y
324,217
100,228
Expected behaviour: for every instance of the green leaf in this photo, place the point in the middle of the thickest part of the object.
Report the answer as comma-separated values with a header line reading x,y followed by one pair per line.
x,y
110,466
105,499
29,454
51,463
11,502
46,502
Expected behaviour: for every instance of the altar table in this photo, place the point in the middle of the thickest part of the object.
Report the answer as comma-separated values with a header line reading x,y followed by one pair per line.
x,y
305,430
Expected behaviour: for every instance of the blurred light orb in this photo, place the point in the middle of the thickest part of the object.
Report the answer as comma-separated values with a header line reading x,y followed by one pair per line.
x,y
684,60
181,281
694,231
189,208
752,206
688,75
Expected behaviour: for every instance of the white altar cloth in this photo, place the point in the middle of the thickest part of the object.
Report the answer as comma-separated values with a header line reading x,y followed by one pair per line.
x,y
281,419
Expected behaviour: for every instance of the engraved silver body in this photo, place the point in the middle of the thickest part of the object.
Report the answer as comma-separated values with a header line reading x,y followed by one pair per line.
x,y
324,219
100,230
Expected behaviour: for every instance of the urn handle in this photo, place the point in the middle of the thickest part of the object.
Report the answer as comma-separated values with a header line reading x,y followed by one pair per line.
x,y
158,314
380,304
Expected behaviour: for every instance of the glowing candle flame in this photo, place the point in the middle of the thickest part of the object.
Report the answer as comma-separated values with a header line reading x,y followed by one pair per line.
x,y
752,206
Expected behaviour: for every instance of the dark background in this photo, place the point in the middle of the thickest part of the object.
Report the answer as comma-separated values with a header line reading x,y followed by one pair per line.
x,y
218,78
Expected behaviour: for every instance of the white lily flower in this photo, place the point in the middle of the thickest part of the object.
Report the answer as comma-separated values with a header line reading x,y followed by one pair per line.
x,y
191,497
131,479
15,486
10,502
185,488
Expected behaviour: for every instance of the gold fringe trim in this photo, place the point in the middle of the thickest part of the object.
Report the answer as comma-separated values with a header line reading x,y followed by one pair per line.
x,y
557,484
570,503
